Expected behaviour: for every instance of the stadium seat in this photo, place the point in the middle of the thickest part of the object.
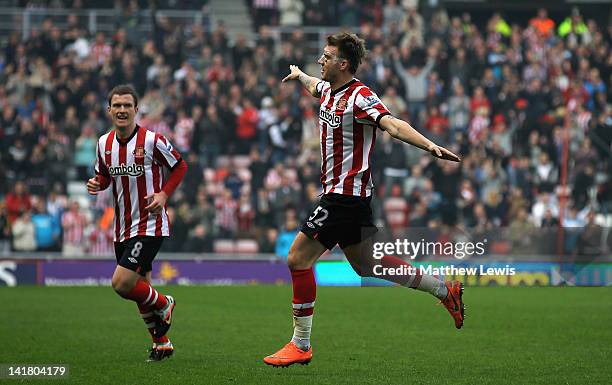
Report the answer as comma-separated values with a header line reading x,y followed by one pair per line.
x,y
223,161
246,246
395,204
214,189
291,174
76,188
396,219
209,175
244,174
396,212
224,246
241,161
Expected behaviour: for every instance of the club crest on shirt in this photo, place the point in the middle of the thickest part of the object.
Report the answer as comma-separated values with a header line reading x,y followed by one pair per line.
x,y
341,105
139,152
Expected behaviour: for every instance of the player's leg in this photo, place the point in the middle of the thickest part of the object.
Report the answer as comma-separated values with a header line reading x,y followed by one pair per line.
x,y
131,280
361,258
162,346
147,314
302,254
151,319
130,285
134,258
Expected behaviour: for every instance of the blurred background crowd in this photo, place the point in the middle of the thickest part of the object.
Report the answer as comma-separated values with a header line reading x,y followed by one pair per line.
x,y
525,102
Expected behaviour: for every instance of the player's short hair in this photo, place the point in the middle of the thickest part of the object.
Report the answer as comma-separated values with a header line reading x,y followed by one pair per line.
x,y
350,47
123,89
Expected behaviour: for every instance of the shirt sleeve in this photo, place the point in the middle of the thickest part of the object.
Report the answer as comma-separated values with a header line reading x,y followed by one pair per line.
x,y
320,87
165,153
175,178
369,109
100,167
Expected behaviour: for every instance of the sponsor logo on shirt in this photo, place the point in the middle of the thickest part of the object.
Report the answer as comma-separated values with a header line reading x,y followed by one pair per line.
x,y
127,170
330,118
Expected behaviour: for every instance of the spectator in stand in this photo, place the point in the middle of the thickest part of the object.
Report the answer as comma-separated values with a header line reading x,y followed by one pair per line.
x,y
394,102
522,234
183,131
208,136
246,131
415,84
349,13
245,215
5,231
573,29
591,240
415,182
458,111
85,152
226,214
287,234
264,13
545,173
100,236
233,182
199,240
544,202
74,223
549,220
17,202
291,12
413,27
23,232
47,229
543,24
393,15
393,157
436,125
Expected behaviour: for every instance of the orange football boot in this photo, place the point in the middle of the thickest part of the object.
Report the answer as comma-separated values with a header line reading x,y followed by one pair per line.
x,y
290,354
454,302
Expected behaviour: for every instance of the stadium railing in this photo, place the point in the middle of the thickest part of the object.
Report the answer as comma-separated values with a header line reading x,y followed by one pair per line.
x,y
93,20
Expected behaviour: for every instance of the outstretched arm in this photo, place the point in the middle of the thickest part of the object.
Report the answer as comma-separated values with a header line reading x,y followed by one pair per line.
x,y
403,131
309,82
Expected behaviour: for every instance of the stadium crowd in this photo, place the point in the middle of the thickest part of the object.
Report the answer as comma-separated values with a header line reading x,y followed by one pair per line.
x,y
501,95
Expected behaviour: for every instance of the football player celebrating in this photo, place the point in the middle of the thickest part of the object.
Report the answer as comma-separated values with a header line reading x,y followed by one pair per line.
x,y
349,116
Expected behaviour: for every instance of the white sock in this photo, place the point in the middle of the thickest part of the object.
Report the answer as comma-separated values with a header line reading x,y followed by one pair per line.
x,y
433,286
301,332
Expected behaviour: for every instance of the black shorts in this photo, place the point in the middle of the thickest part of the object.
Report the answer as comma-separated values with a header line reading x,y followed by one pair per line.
x,y
342,220
138,253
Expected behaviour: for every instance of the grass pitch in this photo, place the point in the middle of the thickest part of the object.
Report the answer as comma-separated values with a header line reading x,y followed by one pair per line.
x,y
378,335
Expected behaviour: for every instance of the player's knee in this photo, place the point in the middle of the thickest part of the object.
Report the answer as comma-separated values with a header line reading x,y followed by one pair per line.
x,y
364,269
296,262
121,285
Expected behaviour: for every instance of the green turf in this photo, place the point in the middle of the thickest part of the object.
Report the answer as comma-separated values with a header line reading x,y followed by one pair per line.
x,y
361,336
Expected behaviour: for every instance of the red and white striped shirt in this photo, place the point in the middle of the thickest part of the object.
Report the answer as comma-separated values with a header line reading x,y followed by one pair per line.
x,y
74,224
348,118
136,167
100,242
